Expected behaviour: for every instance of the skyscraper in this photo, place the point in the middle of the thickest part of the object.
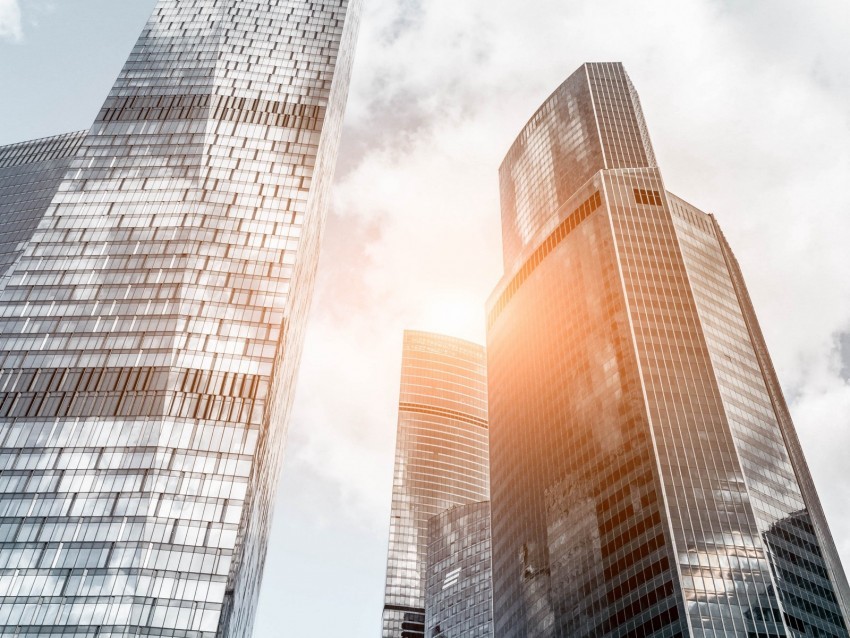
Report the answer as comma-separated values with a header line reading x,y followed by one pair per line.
x,y
458,582
646,477
152,306
29,175
441,462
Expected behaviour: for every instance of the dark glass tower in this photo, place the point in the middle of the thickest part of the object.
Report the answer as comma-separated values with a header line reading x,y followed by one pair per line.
x,y
156,271
458,588
441,462
646,477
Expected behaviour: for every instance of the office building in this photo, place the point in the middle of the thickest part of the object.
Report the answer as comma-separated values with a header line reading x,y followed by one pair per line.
x,y
156,273
441,462
458,588
646,477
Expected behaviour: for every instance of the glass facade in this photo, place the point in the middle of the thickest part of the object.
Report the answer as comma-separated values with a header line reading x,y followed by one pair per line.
x,y
151,323
563,145
459,597
30,173
441,462
646,478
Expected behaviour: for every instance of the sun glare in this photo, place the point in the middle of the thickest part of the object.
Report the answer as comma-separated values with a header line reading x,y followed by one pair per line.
x,y
454,314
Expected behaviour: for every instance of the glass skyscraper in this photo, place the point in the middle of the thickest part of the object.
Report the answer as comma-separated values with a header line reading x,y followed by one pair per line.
x,y
29,175
458,587
646,477
156,271
441,462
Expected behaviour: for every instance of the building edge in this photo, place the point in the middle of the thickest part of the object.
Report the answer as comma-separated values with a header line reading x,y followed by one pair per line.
x,y
243,589
789,433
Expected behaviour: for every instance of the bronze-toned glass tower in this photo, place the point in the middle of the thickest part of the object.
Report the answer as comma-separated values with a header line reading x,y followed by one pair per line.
x,y
646,477
441,462
152,303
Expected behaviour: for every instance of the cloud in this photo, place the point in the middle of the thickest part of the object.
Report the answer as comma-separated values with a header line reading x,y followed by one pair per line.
x,y
10,21
747,121
747,105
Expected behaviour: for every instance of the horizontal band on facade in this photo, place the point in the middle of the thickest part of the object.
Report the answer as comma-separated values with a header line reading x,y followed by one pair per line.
x,y
128,380
216,107
411,610
445,412
564,228
126,405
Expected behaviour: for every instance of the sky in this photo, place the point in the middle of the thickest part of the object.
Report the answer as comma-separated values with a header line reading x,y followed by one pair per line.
x,y
748,105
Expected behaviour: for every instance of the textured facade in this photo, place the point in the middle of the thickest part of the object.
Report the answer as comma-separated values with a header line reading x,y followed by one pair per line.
x,y
458,588
150,326
441,461
30,173
646,477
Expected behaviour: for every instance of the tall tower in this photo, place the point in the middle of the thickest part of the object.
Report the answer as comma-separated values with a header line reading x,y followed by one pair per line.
x,y
458,582
151,318
441,462
646,477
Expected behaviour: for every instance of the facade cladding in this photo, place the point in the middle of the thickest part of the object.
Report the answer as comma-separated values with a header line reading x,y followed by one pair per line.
x,y
151,327
458,590
30,173
646,477
441,462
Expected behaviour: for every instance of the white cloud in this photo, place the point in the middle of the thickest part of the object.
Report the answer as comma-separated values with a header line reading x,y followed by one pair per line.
x,y
10,20
747,105
746,123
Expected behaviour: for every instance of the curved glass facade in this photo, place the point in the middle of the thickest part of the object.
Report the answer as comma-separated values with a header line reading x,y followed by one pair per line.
x,y
646,480
441,461
562,146
151,327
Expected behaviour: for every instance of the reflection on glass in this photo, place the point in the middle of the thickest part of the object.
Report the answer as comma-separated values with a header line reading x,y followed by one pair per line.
x,y
646,479
441,461
155,273
458,597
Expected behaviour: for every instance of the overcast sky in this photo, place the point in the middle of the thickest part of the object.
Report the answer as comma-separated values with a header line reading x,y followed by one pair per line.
x,y
748,105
